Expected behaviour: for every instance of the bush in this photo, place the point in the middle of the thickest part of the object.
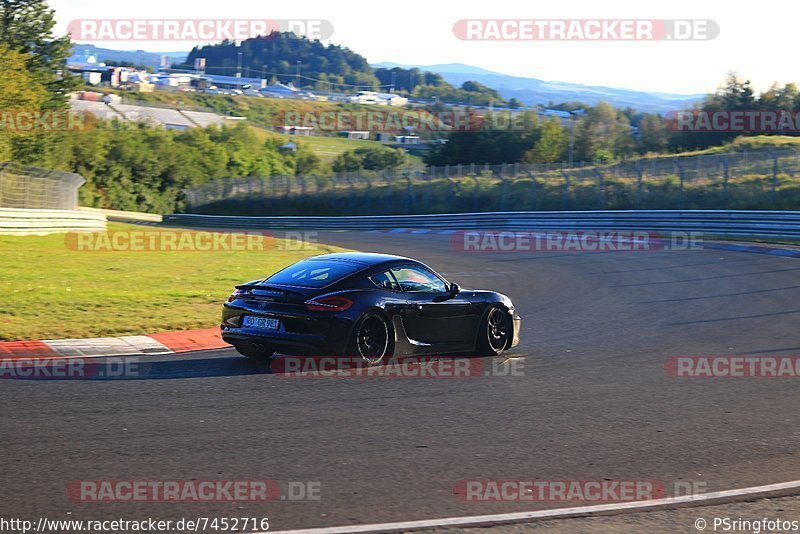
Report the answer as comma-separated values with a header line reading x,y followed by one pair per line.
x,y
369,158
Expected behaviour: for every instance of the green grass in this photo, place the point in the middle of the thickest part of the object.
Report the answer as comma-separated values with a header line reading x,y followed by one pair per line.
x,y
328,148
741,143
51,291
267,113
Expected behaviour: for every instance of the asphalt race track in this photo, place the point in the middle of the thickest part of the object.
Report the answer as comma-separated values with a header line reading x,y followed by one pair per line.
x,y
594,403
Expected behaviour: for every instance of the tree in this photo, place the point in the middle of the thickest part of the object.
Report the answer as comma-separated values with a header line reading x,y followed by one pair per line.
x,y
348,161
470,93
379,158
27,26
19,92
776,98
734,94
602,131
551,146
306,162
127,64
284,54
404,80
18,89
369,158
653,134
502,138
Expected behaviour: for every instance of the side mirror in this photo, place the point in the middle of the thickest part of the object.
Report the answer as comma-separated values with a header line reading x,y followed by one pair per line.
x,y
455,289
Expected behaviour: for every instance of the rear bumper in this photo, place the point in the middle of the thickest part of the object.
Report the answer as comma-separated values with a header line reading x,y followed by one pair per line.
x,y
284,342
300,332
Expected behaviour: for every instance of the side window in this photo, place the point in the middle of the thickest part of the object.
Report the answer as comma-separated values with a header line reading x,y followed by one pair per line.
x,y
385,281
418,280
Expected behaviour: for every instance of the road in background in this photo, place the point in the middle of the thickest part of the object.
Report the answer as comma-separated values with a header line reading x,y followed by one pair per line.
x,y
594,403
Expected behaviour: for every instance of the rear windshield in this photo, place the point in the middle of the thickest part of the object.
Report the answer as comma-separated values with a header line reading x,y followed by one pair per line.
x,y
317,273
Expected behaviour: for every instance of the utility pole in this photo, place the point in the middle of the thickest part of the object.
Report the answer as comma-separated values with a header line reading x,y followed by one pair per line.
x,y
394,75
297,74
571,136
239,65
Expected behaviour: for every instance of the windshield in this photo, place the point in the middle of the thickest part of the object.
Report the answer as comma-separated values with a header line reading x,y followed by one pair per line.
x,y
314,273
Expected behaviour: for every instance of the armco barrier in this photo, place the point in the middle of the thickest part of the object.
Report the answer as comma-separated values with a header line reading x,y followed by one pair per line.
x,y
125,216
732,223
42,222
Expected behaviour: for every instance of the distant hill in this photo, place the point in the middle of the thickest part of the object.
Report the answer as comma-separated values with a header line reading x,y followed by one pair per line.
x,y
534,91
309,62
439,68
137,57
279,55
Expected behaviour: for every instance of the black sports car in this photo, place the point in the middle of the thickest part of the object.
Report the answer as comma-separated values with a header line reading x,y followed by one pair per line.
x,y
371,306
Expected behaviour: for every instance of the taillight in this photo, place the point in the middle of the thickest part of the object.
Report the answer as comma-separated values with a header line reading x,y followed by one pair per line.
x,y
235,295
329,304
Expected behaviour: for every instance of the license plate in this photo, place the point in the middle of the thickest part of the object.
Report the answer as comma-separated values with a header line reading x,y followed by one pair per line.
x,y
265,323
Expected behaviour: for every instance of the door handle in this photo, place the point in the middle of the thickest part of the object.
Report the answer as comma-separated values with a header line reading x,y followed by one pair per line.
x,y
417,306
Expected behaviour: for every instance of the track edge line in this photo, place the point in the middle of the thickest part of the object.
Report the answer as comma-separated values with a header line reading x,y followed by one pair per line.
x,y
718,497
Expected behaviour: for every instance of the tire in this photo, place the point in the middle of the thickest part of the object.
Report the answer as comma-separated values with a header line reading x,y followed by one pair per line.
x,y
255,352
371,339
495,333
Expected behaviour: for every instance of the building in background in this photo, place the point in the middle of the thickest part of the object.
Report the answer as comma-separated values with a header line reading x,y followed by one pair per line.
x,y
87,66
355,134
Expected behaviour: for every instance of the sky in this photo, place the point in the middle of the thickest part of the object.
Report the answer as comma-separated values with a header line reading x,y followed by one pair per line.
x,y
757,43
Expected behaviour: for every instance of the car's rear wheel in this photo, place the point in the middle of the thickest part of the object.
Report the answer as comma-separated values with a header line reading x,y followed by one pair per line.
x,y
371,339
495,332
255,351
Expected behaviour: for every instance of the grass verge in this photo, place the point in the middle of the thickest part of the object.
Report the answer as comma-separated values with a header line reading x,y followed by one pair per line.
x,y
51,291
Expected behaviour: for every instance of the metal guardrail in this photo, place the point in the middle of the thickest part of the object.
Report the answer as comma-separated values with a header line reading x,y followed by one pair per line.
x,y
43,222
712,222
125,216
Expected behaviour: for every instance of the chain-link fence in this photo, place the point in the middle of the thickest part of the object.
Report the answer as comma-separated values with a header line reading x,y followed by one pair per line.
x,y
33,188
760,179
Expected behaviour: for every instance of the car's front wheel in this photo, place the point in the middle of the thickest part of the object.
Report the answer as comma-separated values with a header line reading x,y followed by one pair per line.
x,y
495,332
255,351
371,339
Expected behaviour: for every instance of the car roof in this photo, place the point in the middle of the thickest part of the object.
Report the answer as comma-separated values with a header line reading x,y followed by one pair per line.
x,y
365,258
